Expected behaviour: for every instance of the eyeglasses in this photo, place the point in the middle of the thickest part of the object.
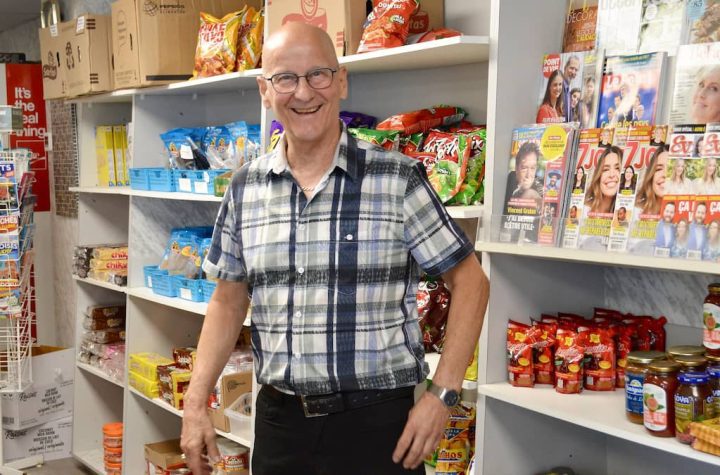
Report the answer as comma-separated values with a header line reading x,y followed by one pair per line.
x,y
286,83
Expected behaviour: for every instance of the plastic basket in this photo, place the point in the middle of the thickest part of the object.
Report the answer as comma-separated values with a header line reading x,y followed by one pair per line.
x,y
161,179
208,287
239,413
164,284
150,272
184,180
188,289
139,179
204,181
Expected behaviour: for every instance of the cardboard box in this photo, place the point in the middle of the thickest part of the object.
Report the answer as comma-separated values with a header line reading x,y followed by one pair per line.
x,y
52,440
231,387
50,397
87,54
343,20
156,45
431,15
52,52
166,454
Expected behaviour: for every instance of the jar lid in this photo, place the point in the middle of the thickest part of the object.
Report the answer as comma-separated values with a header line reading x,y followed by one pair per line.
x,y
686,350
690,361
113,429
664,366
714,287
644,357
713,358
714,371
693,378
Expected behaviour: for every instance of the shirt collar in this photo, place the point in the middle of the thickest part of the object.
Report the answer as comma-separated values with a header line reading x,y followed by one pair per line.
x,y
345,156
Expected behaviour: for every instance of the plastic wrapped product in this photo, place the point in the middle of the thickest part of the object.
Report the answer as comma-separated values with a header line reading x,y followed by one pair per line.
x,y
216,50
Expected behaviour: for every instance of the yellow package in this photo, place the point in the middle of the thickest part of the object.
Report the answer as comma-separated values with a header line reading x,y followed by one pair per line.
x,y
108,264
250,39
471,373
217,45
110,252
146,364
149,388
120,144
105,156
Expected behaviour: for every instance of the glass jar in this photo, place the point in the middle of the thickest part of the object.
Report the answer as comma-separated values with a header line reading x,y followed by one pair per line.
x,y
693,402
658,395
690,364
711,320
714,373
686,350
635,372
713,360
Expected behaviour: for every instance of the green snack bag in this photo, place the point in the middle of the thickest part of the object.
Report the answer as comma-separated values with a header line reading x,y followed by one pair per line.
x,y
387,139
447,176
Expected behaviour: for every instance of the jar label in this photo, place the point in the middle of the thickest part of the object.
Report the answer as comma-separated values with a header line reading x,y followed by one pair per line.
x,y
716,401
709,411
655,407
711,326
687,410
634,393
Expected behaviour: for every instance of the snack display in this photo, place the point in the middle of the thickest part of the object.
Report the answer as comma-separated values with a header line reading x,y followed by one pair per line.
x,y
106,263
103,340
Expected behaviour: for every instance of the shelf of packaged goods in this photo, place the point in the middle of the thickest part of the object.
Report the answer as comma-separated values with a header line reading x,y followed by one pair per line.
x,y
99,373
465,212
92,459
244,441
600,411
600,258
103,190
100,283
175,195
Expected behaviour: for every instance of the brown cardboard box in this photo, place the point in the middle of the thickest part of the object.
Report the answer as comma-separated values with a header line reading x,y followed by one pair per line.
x,y
52,52
431,15
166,454
156,45
87,54
343,20
232,386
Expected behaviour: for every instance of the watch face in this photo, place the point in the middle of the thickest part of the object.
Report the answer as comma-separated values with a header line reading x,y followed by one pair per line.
x,y
451,398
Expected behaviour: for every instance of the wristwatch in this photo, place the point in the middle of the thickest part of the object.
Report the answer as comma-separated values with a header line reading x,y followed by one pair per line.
x,y
449,397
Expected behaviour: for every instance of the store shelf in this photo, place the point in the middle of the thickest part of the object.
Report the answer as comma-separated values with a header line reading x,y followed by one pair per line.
x,y
99,373
121,95
146,293
103,190
465,212
600,411
99,283
92,459
602,258
175,195
244,441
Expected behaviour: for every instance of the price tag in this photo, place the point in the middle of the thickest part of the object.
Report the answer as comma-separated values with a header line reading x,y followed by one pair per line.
x,y
54,30
80,25
185,294
201,187
185,185
149,282
186,152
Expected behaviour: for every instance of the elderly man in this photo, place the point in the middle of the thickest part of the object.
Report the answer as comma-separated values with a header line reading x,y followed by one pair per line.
x,y
329,236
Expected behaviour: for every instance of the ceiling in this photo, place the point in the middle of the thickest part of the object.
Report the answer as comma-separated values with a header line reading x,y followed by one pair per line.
x,y
16,12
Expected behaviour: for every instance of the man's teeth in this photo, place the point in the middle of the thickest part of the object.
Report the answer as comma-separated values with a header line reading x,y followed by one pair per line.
x,y
307,111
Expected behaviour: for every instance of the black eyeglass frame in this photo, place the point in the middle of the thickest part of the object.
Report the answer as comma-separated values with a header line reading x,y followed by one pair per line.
x,y
298,76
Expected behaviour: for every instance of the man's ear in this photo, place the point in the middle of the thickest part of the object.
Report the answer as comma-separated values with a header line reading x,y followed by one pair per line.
x,y
342,77
264,91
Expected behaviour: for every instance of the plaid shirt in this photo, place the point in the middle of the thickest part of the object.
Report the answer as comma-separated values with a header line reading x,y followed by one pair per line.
x,y
334,278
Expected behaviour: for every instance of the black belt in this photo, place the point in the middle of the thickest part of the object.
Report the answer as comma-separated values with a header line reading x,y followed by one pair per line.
x,y
324,404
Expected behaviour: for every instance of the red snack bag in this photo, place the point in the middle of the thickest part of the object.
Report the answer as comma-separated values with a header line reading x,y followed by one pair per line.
x,y
569,358
623,344
433,300
544,353
548,318
434,34
572,316
428,159
520,341
599,359
607,313
423,120
387,25
411,143
658,335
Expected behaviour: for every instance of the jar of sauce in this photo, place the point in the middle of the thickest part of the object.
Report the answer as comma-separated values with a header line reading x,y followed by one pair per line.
x,y
711,320
688,364
714,374
713,360
658,394
686,350
635,372
693,402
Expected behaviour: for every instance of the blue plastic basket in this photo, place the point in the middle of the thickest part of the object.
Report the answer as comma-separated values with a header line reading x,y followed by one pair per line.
x,y
188,289
163,284
184,180
204,181
208,287
161,179
150,272
139,179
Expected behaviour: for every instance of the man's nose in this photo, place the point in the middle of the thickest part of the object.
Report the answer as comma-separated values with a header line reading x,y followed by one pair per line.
x,y
303,91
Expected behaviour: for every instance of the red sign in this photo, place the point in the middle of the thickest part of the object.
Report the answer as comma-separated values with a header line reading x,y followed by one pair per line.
x,y
25,90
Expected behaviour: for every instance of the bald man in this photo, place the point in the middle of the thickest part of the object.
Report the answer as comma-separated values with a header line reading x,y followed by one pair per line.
x,y
330,234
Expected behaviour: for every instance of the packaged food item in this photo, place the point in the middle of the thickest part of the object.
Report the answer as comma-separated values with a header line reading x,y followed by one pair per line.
x,y
112,434
623,345
250,39
105,336
686,350
658,396
690,364
432,35
693,402
456,446
113,454
146,364
423,120
714,374
635,371
711,320
599,362
109,253
173,383
520,341
387,25
449,172
216,50
184,357
707,435
357,120
234,457
569,358
544,353
178,150
411,143
387,139
90,323
428,159
108,264
433,300
101,312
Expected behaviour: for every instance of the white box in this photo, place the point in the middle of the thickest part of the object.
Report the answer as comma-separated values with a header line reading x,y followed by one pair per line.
x,y
236,414
50,397
52,440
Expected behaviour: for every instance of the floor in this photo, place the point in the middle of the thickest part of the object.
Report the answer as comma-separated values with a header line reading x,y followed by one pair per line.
x,y
60,467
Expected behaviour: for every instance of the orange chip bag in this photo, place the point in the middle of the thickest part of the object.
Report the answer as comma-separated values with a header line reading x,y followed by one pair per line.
x,y
568,362
250,39
387,25
520,341
217,45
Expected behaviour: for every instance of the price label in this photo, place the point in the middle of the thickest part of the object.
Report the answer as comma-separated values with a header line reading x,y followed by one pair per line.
x,y
185,294
54,30
185,185
186,152
201,187
80,25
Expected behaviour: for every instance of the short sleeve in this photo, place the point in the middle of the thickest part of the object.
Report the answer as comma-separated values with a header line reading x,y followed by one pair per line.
x,y
435,241
224,259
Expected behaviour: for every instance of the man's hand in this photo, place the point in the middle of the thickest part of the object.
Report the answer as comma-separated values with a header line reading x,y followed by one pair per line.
x,y
423,431
198,437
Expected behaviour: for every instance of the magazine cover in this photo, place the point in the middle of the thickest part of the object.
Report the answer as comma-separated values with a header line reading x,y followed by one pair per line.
x,y
703,18
630,85
537,171
686,167
560,88
663,26
649,192
697,76
708,148
592,75
711,248
618,26
672,234
637,154
579,32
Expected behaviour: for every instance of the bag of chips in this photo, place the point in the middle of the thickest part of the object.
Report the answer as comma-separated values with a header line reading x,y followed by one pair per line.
x,y
387,25
433,302
599,363
544,353
449,172
387,139
569,358
423,120
249,39
411,143
434,34
428,159
520,341
357,120
216,50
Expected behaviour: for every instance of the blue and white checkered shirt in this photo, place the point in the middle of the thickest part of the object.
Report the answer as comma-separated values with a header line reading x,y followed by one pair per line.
x,y
334,278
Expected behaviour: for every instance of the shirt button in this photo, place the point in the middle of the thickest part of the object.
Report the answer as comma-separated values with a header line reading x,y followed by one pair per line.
x,y
298,314
296,356
301,270
349,237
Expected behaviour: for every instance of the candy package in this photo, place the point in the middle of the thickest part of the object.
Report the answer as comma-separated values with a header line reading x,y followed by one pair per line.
x,y
599,362
387,25
569,358
520,341
544,353
216,50
433,301
357,120
250,39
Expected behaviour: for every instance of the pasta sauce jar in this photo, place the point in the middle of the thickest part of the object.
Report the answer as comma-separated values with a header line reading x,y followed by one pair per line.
x,y
693,402
658,397
635,371
711,320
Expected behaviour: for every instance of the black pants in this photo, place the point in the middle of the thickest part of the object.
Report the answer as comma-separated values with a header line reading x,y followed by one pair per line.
x,y
354,442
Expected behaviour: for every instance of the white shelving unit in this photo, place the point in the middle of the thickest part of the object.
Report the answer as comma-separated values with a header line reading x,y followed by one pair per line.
x,y
100,283
199,308
98,372
92,459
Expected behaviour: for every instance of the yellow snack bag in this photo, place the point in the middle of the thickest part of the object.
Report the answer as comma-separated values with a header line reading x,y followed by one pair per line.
x,y
250,39
217,44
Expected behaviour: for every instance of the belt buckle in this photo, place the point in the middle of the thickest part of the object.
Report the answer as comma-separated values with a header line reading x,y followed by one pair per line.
x,y
307,411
